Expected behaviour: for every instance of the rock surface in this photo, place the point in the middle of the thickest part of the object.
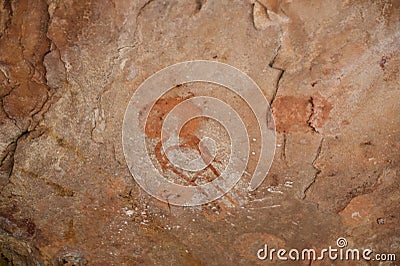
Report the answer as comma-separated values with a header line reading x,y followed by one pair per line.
x,y
330,70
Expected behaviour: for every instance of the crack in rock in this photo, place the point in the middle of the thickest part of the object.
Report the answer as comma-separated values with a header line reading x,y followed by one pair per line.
x,y
36,115
272,65
317,170
281,72
312,114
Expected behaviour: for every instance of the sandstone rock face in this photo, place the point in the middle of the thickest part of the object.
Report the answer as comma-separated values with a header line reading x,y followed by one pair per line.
x,y
330,70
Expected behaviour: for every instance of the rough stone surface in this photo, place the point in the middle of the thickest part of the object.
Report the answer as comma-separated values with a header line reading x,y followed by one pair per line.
x,y
330,70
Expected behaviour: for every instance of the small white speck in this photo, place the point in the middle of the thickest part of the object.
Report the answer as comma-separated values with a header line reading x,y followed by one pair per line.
x,y
129,212
274,191
288,184
253,153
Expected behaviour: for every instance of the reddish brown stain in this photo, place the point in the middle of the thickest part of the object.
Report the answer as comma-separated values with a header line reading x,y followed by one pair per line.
x,y
153,129
291,113
158,113
300,114
188,134
345,122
